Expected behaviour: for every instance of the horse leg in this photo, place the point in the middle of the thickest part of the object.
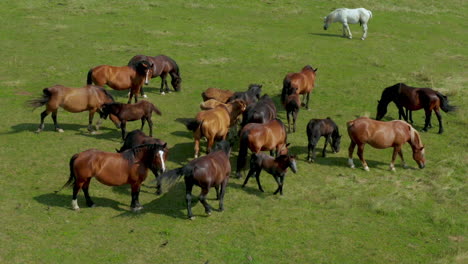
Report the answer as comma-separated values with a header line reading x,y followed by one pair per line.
x,y
41,125
311,149
396,150
307,100
403,163
135,204
350,36
289,124
327,139
223,191
123,125
202,198
401,113
294,120
188,197
89,202
210,144
350,154
344,31
142,123
364,35
76,189
439,118
251,172
360,153
130,96
409,113
150,124
90,121
197,146
54,117
257,177
217,192
279,180
428,120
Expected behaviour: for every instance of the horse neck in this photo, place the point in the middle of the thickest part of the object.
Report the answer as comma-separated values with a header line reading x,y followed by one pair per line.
x,y
143,156
415,139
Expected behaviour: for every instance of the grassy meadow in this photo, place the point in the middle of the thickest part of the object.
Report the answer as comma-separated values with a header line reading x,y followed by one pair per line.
x,y
329,213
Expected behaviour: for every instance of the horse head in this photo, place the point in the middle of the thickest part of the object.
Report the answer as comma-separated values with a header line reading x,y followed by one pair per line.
x,y
417,147
292,163
145,68
381,109
336,140
224,146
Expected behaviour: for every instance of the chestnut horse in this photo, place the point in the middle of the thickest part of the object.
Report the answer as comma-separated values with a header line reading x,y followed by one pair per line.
x,y
141,110
89,98
136,138
275,166
261,137
208,171
161,66
113,169
412,98
122,78
214,123
317,128
217,94
382,135
303,81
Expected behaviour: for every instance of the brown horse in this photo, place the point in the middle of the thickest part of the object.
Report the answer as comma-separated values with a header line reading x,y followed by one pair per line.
x,y
122,78
215,123
113,169
89,98
261,137
382,135
275,166
141,110
303,81
412,98
136,138
217,94
161,66
292,105
208,171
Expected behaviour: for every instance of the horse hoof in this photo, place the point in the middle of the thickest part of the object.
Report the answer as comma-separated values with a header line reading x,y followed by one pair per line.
x,y
93,132
137,209
366,168
145,96
208,213
162,93
38,131
191,217
362,38
59,130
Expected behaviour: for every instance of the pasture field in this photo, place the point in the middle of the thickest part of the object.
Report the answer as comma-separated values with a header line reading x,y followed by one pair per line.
x,y
329,213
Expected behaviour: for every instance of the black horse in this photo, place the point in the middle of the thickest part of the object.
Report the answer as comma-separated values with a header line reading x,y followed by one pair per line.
x,y
412,98
317,128
260,112
250,96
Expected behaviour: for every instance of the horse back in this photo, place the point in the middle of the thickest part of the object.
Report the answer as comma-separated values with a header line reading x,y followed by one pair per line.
x,y
378,134
211,170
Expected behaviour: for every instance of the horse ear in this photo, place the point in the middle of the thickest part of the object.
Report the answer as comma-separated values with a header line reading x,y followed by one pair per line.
x,y
287,145
165,144
315,69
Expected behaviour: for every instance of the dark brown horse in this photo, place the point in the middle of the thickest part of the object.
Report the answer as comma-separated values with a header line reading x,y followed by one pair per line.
x,y
275,166
208,171
326,128
382,135
162,66
260,112
122,78
217,94
89,98
215,123
303,81
412,99
113,169
261,137
141,110
136,138
250,96
292,105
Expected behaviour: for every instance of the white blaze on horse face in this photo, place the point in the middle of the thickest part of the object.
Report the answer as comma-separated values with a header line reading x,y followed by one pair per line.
x,y
161,154
147,76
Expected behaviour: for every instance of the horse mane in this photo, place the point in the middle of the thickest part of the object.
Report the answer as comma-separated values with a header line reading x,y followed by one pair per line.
x,y
415,138
106,93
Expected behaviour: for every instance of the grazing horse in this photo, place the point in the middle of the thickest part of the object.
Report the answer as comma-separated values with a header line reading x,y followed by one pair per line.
x,y
113,169
349,16
303,81
89,98
208,171
292,105
261,137
317,128
122,78
214,123
275,166
217,94
141,110
136,138
250,96
412,98
161,66
382,135
260,112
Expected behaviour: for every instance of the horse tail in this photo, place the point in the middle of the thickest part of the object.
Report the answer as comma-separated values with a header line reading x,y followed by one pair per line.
x,y
35,103
155,109
72,178
89,80
444,104
169,178
243,148
286,88
193,124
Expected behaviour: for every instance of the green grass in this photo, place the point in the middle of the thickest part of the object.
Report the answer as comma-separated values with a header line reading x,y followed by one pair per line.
x,y
329,213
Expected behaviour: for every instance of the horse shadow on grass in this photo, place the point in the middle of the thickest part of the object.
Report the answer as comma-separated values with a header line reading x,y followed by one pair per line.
x,y
327,35
64,201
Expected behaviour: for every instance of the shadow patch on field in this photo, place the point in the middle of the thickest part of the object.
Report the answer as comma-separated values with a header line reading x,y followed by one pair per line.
x,y
64,200
47,127
182,152
186,134
327,35
251,187
343,162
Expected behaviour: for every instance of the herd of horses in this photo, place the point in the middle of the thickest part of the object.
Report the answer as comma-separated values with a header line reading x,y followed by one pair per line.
x,y
226,118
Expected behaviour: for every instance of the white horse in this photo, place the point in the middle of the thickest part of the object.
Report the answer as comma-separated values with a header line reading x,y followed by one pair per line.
x,y
351,16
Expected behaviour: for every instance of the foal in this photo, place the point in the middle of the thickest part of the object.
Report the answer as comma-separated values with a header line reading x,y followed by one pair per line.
x,y
317,128
292,105
274,166
131,112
